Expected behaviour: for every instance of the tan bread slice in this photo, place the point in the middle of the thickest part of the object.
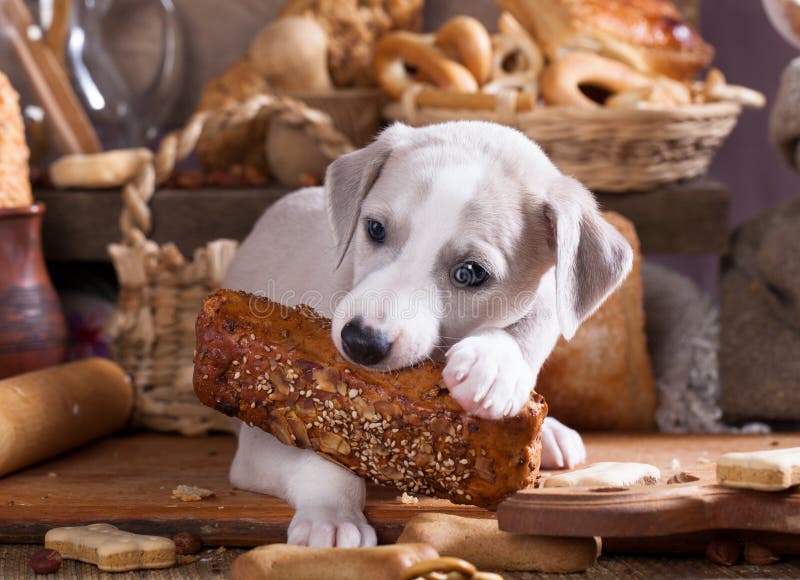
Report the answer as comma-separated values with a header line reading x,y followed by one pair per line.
x,y
99,170
769,470
110,548
607,474
480,541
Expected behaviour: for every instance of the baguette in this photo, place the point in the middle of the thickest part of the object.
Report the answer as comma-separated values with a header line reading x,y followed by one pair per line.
x,y
276,368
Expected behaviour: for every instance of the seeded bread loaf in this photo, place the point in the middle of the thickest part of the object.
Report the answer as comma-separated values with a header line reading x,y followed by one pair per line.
x,y
277,368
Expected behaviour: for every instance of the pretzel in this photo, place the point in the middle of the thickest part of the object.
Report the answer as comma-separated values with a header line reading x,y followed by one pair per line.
x,y
399,50
562,80
467,39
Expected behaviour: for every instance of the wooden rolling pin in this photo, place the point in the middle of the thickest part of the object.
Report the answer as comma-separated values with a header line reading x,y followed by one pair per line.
x,y
47,412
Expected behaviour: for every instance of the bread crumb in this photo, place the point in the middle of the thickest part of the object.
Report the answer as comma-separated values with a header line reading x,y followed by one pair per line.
x,y
191,493
676,464
408,499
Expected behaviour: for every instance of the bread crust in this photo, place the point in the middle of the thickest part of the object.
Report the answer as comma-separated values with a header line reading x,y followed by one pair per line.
x,y
649,35
277,368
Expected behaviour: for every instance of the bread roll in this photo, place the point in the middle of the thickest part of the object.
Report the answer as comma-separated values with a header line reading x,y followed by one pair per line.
x,y
480,541
283,562
602,378
277,368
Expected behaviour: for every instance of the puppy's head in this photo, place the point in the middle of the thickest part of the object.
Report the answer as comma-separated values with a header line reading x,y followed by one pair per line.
x,y
451,228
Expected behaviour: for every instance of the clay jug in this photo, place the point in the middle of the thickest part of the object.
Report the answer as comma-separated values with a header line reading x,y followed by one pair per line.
x,y
32,328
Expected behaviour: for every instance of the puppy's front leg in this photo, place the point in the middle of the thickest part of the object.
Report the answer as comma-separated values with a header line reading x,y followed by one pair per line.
x,y
328,500
488,375
491,374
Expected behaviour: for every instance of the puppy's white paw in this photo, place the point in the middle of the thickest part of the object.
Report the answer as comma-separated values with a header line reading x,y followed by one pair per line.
x,y
488,376
329,527
562,447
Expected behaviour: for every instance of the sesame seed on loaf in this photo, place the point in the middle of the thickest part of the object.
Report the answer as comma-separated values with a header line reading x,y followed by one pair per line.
x,y
276,368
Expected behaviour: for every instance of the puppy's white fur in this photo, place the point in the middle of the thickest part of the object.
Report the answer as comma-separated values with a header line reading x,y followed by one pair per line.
x,y
446,194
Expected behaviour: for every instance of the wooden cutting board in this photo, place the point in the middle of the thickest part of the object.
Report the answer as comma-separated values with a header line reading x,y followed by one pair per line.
x,y
127,480
668,516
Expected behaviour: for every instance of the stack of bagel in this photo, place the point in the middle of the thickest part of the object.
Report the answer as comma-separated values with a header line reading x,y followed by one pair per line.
x,y
555,59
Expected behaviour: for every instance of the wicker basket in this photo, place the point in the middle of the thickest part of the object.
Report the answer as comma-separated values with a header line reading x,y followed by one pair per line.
x,y
161,291
355,112
609,150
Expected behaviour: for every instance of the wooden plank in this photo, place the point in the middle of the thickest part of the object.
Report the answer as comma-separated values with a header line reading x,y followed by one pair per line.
x,y
690,217
78,225
127,480
14,563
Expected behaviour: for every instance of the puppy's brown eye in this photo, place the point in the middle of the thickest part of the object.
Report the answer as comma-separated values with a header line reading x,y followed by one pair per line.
x,y
376,231
468,274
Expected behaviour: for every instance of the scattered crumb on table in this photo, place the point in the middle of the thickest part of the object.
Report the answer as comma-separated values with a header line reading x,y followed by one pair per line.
x,y
191,493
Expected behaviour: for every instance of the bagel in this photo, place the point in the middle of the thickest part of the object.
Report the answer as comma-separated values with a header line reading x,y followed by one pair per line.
x,y
562,81
466,40
398,50
516,64
99,170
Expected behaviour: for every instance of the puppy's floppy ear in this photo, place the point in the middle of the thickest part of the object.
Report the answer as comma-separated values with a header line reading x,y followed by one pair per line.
x,y
349,179
592,258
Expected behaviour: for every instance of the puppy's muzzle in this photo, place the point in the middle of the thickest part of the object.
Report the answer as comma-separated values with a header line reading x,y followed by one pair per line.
x,y
362,344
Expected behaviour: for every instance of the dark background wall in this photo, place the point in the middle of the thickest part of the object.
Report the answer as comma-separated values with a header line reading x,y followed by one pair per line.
x,y
750,52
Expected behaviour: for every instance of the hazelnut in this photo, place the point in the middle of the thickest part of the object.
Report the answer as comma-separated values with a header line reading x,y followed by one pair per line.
x,y
186,543
759,555
45,561
723,550
683,477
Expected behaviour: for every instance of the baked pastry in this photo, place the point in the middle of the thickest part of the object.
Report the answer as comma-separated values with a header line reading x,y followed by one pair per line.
x,y
649,35
239,83
15,185
480,541
354,27
299,562
277,368
292,55
103,170
602,378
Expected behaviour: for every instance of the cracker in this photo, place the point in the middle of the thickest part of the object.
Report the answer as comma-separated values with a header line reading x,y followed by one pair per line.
x,y
607,474
110,548
768,470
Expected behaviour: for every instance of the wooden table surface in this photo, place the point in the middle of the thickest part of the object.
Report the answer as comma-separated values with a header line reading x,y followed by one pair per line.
x,y
127,480
689,217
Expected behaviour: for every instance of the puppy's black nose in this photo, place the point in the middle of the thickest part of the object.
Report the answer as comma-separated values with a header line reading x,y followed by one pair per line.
x,y
362,344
